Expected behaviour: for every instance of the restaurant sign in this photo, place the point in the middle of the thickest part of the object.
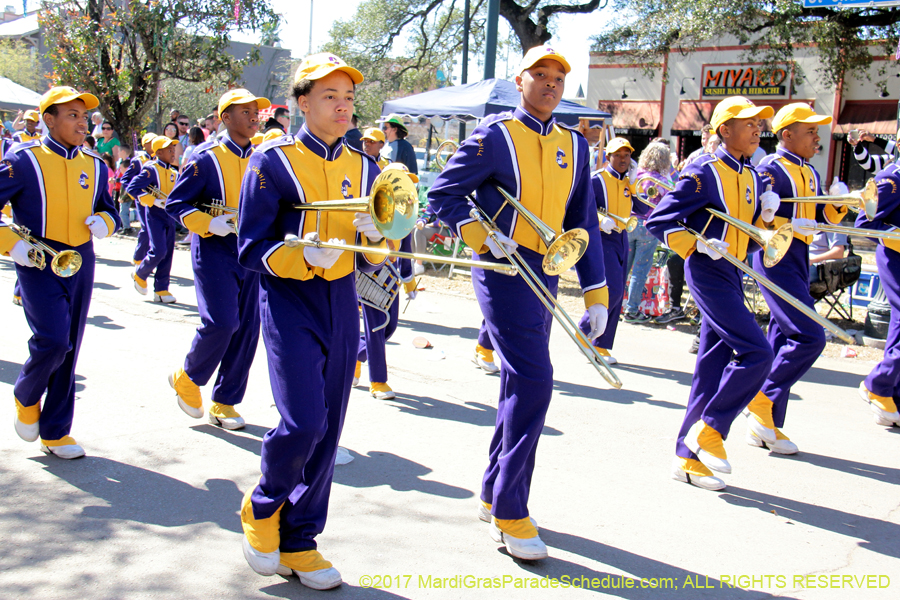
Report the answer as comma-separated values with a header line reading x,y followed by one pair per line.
x,y
744,80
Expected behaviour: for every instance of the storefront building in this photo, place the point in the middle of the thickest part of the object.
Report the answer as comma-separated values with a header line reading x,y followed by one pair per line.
x,y
644,106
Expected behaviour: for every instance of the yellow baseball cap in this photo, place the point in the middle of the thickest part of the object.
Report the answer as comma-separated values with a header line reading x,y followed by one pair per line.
x,y
539,53
373,134
31,115
161,142
148,137
63,94
617,143
737,107
401,167
317,66
797,113
240,96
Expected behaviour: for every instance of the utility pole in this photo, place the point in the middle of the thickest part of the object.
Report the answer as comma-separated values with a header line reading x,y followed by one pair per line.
x,y
490,49
464,78
310,26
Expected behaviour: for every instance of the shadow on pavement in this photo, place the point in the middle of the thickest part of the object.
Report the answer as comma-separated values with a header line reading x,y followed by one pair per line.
x,y
9,371
109,262
835,378
622,396
103,322
466,333
99,285
292,588
656,373
876,472
401,474
470,413
876,535
136,494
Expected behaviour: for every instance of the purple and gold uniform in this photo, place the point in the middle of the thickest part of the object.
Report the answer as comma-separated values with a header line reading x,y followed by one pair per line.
x,y
53,190
545,166
796,339
160,227
137,163
613,192
227,293
882,387
734,358
310,322
23,136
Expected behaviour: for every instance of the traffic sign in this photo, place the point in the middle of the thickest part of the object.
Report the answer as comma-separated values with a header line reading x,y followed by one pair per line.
x,y
849,3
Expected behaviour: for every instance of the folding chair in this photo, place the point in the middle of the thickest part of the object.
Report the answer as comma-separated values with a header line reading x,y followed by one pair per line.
x,y
835,277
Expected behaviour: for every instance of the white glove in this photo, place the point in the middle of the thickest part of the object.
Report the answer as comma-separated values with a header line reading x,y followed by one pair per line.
x,y
19,253
97,226
804,226
504,241
607,224
713,248
366,226
159,202
838,188
598,315
411,295
770,203
321,257
221,226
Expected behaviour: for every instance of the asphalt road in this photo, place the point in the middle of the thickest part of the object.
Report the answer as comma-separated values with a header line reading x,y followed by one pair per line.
x,y
152,511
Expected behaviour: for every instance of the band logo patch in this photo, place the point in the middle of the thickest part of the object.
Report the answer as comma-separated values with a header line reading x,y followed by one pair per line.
x,y
346,186
749,196
83,180
561,158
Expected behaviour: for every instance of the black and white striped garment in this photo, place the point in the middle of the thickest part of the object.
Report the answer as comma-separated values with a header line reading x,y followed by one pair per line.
x,y
874,162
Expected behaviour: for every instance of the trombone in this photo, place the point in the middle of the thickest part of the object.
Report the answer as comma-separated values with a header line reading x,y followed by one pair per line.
x,y
759,277
65,263
629,224
865,200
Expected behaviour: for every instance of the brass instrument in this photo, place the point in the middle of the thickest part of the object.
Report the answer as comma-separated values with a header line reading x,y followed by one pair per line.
x,y
774,242
217,208
762,279
448,146
158,194
865,200
629,224
65,263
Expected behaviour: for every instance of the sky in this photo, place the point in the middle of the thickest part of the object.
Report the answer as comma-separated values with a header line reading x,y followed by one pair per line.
x,y
571,40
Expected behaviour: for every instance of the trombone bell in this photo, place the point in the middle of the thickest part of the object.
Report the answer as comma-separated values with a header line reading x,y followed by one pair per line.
x,y
774,242
565,251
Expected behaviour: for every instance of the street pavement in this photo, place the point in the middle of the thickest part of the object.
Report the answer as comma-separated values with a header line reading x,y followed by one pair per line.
x,y
153,510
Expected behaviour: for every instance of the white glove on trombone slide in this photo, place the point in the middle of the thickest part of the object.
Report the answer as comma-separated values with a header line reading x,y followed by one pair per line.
x,y
506,242
713,248
607,224
598,315
770,203
838,188
19,253
803,226
366,226
221,226
321,257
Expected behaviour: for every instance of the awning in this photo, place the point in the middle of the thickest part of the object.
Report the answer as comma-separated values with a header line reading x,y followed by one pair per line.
x,y
878,117
632,117
693,115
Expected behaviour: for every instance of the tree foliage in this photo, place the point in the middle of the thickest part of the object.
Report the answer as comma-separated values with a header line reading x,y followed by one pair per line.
x,y
19,64
123,50
844,40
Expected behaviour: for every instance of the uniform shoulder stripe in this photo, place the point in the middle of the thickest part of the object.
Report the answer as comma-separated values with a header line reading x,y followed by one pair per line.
x,y
285,140
16,147
91,153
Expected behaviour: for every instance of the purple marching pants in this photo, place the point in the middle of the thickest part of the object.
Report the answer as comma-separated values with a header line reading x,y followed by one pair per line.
x,y
734,357
56,309
161,232
615,257
143,237
371,343
884,380
519,327
484,340
311,332
796,339
228,302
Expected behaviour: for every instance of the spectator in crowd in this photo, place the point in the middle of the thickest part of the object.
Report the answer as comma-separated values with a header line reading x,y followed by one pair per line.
x,y
122,155
713,143
656,161
108,139
174,114
195,138
870,155
354,135
184,124
89,142
705,132
212,125
171,131
825,246
283,116
97,121
401,151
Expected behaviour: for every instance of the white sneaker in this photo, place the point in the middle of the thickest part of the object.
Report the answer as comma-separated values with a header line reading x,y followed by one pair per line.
x,y
525,549
706,483
419,269
485,515
230,423
779,447
164,298
323,579
67,452
484,365
690,440
882,417
759,430
29,433
264,563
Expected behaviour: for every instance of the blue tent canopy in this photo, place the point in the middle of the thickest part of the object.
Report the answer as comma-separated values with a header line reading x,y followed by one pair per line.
x,y
476,101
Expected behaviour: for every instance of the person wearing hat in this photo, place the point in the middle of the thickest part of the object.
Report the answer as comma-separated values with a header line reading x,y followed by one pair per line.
x,y
376,332
401,151
31,119
309,315
227,293
881,389
546,166
160,173
373,142
59,192
734,357
140,158
613,191
796,339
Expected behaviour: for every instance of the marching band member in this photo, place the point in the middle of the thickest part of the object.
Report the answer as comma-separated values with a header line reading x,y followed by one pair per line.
x,y
372,343
160,172
227,293
59,192
796,339
484,353
373,142
141,157
612,189
734,356
545,165
310,320
31,119
881,389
